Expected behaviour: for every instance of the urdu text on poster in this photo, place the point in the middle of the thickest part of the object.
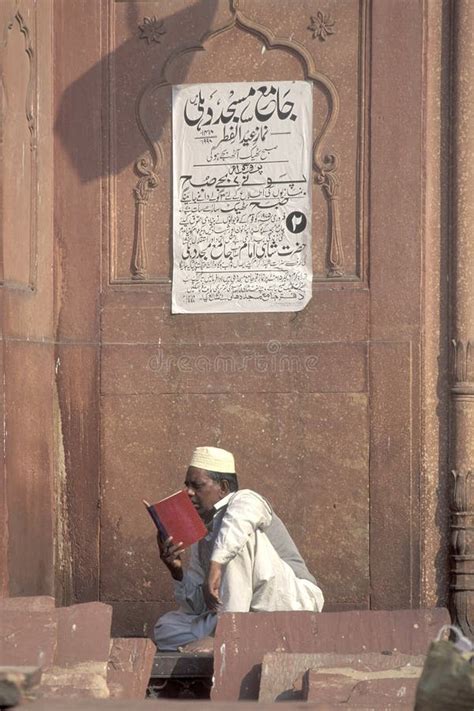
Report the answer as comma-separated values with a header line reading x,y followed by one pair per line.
x,y
242,197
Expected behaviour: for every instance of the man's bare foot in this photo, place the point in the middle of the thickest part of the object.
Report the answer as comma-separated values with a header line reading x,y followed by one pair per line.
x,y
200,646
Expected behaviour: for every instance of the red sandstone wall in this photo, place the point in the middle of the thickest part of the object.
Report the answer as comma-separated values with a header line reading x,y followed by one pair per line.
x,y
92,424
27,507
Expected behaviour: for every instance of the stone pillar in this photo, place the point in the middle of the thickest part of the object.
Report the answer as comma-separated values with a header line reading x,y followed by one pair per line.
x,y
462,317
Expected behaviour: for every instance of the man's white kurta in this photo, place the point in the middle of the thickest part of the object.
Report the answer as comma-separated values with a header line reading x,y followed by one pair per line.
x,y
255,577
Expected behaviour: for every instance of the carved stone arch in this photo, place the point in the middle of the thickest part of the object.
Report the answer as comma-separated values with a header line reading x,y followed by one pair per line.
x,y
325,165
31,88
8,10
17,20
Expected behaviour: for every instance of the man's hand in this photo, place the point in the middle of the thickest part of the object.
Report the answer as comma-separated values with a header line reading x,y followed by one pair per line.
x,y
212,586
170,554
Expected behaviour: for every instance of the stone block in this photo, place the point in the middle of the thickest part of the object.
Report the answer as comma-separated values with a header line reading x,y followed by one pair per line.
x,y
242,639
83,634
86,680
168,705
82,653
129,667
29,631
70,644
285,676
189,665
29,379
330,429
348,688
35,603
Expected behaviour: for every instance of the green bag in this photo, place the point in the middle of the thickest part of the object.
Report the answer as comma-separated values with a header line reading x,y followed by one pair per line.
x,y
447,680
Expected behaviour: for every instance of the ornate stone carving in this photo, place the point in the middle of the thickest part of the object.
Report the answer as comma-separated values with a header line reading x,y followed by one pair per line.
x,y
30,93
147,181
462,546
151,30
462,495
327,178
322,26
17,22
325,165
462,278
463,367
462,512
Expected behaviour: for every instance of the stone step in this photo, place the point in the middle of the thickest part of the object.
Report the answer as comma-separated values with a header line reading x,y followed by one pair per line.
x,y
242,640
72,645
130,667
167,665
330,676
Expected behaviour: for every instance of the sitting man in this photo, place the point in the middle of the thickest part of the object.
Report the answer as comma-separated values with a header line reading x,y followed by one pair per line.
x,y
247,562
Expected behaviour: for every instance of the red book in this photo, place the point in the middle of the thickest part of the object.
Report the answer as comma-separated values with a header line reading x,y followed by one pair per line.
x,y
176,516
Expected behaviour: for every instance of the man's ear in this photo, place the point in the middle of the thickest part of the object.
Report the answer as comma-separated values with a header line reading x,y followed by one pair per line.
x,y
225,486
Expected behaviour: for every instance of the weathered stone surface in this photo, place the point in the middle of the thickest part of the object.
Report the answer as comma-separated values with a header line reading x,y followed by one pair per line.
x,y
124,372
139,620
77,253
84,680
82,653
165,705
26,677
71,644
83,633
390,307
364,689
316,422
282,673
242,639
26,315
29,462
29,631
36,603
129,667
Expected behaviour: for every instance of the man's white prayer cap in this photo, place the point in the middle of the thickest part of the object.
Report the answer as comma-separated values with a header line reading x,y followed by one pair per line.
x,y
213,459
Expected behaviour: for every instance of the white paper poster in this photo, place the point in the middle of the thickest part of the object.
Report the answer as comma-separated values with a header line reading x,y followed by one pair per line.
x,y
242,197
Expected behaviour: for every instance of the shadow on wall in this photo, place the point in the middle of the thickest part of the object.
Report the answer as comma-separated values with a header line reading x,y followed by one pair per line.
x,y
74,123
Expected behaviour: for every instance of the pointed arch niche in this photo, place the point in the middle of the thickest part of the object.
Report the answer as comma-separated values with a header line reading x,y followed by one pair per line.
x,y
241,49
